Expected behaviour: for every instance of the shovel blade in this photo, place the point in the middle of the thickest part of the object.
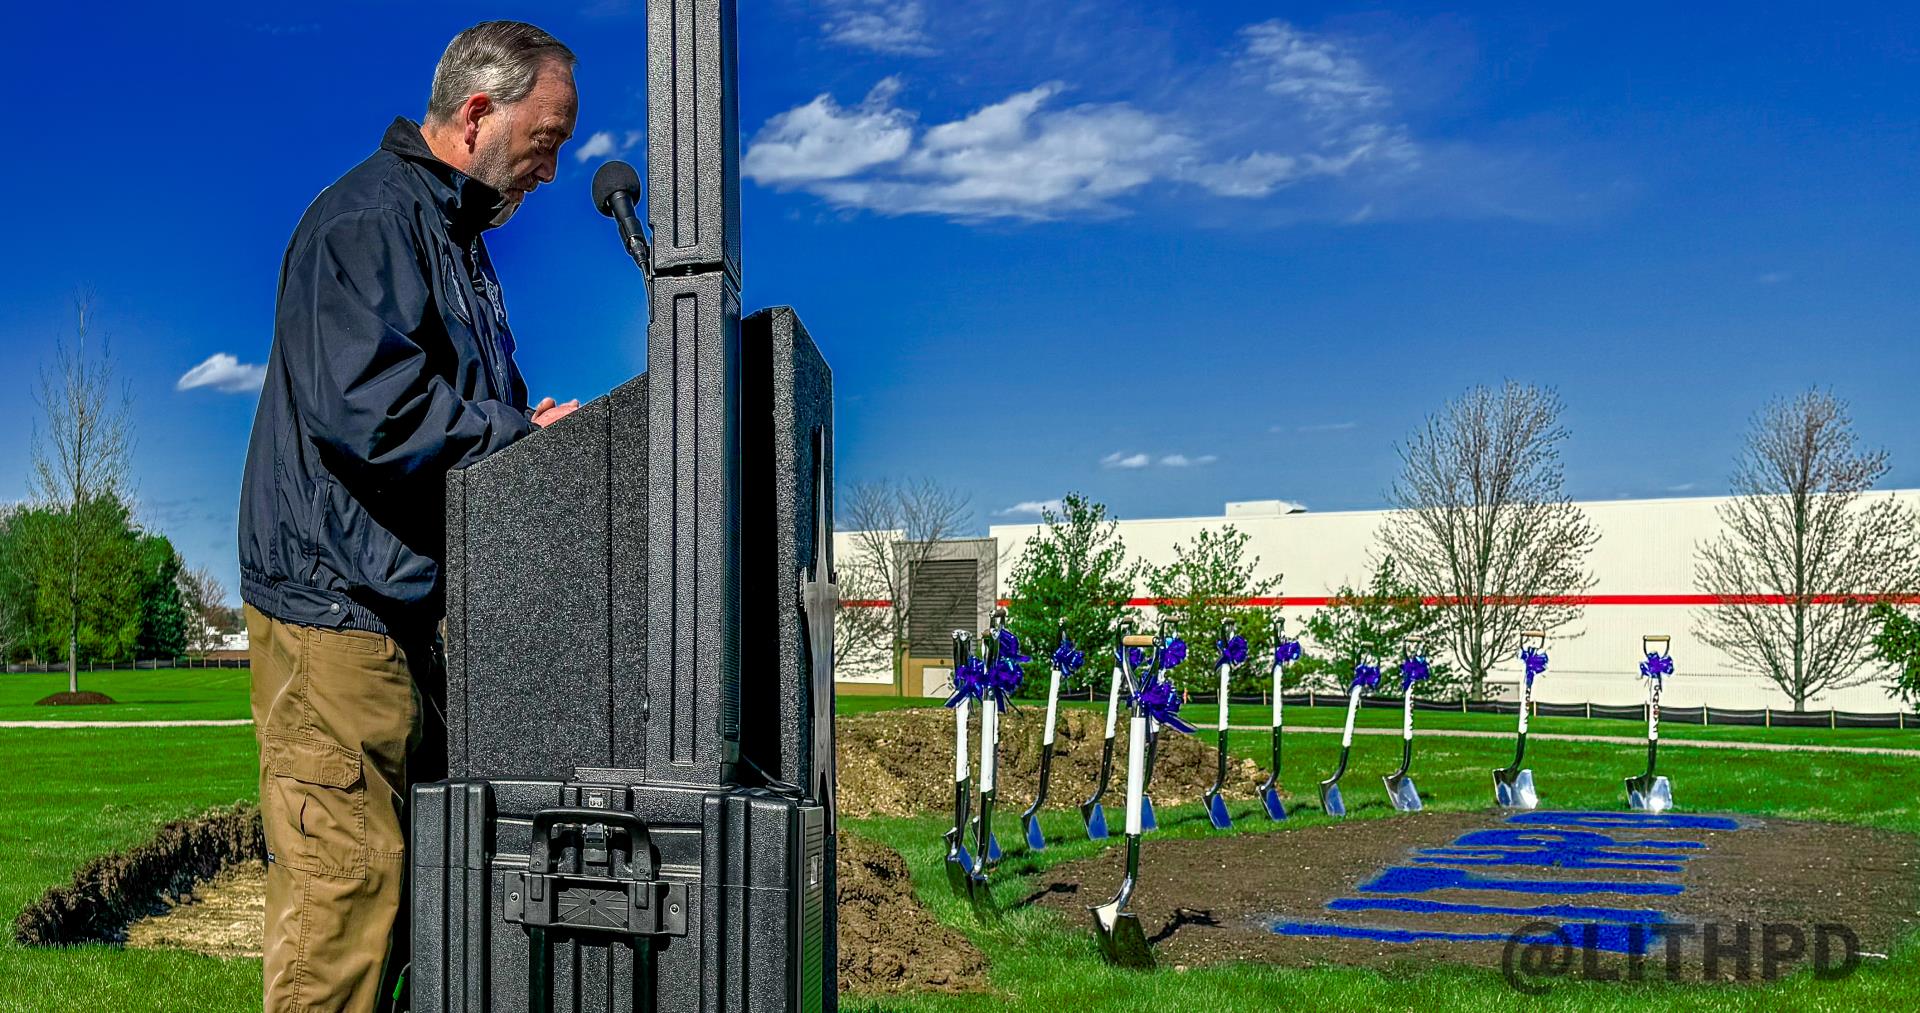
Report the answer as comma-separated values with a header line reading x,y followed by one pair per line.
x,y
1330,799
1036,841
959,870
1276,811
1401,792
1095,817
980,892
1514,790
1217,812
1147,819
1122,940
1650,794
993,848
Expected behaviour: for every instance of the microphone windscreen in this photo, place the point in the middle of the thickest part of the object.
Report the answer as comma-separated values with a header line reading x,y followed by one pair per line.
x,y
611,178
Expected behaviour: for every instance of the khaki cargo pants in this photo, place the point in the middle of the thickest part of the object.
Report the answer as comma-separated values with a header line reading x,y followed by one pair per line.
x,y
335,713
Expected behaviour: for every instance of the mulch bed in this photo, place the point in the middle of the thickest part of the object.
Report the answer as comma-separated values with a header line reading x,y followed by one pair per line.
x,y
1208,901
900,762
64,699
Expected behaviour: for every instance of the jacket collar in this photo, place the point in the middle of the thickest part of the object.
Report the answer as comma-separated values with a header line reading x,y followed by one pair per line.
x,y
468,204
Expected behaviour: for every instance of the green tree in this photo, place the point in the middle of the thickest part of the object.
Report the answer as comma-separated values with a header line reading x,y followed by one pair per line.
x,y
1209,580
163,613
1898,644
1376,623
1074,569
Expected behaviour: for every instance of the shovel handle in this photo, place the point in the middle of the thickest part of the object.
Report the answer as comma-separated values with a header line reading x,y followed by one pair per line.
x,y
1136,640
1053,703
1353,707
960,740
1113,703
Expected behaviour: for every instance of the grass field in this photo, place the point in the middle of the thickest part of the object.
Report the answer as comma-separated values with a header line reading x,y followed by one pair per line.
x,y
77,793
166,694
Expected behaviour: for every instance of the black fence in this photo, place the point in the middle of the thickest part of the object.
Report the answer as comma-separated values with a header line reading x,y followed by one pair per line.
x,y
144,665
1765,717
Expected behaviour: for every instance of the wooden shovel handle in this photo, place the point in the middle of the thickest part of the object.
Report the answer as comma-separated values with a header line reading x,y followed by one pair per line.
x,y
1137,640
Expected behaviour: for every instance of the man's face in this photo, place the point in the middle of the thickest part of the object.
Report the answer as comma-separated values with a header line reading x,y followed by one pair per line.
x,y
518,146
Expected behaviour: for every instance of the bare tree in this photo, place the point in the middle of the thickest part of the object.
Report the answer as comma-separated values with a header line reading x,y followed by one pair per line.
x,y
1482,525
1801,529
894,527
81,461
205,598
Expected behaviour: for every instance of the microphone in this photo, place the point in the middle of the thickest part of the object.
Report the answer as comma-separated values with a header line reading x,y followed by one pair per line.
x,y
616,191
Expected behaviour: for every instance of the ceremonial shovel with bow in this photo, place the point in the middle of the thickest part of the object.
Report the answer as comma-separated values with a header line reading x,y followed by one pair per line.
x,y
1092,813
1233,652
1284,651
965,680
1066,661
1512,784
1122,940
1651,792
1400,790
1366,675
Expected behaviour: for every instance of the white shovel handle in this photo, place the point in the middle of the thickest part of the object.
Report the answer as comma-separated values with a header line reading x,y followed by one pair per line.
x,y
1653,712
960,741
1225,671
1406,713
989,738
1276,696
1136,771
1353,707
1113,702
1526,704
1053,704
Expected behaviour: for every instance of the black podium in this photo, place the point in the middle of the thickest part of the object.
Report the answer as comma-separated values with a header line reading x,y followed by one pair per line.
x,y
639,810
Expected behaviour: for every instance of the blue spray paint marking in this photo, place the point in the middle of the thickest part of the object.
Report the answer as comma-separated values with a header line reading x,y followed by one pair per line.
x,y
1567,912
1626,939
1571,838
1559,849
1421,879
1628,820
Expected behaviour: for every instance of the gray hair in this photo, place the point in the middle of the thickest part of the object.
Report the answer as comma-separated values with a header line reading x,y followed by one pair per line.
x,y
497,58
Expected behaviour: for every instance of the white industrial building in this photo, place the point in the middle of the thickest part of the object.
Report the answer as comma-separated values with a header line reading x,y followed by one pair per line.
x,y
1642,564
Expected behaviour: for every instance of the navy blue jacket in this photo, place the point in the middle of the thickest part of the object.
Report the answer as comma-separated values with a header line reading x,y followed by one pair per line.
x,y
392,364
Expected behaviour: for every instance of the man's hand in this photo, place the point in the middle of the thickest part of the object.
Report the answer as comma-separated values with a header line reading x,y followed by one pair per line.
x,y
546,413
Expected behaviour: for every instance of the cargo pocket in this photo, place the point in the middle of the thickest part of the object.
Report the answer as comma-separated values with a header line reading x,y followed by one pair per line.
x,y
315,816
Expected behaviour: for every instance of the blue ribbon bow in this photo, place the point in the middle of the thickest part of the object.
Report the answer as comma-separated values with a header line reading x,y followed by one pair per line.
x,y
1158,700
1067,659
1173,654
1656,666
1136,656
1366,675
1413,670
1003,679
1286,651
969,681
1232,652
1536,662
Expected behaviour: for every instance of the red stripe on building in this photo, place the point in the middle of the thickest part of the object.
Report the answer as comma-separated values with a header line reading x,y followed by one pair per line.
x,y
1309,601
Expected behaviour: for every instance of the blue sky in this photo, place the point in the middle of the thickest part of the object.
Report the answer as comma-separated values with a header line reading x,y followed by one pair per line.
x,y
1168,254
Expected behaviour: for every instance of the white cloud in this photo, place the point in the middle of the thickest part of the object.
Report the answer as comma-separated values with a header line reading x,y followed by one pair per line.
x,y
897,27
224,373
1122,459
1183,461
1032,508
821,141
1317,427
1290,107
1322,75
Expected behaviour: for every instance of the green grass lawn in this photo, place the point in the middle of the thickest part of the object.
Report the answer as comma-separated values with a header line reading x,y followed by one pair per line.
x,y
73,794
166,694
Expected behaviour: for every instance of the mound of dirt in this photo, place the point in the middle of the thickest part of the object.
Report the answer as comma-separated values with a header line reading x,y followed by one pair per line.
x,y
64,699
900,762
112,891
888,942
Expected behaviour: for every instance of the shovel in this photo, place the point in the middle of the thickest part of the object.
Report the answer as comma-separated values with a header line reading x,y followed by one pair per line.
x,y
1233,651
1091,812
986,847
1650,792
1283,652
1122,940
1167,652
1064,659
1400,790
1364,675
1513,785
959,863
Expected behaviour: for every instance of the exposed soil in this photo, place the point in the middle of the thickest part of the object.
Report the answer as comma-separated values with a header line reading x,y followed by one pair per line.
x,y
64,699
200,885
1216,900
888,942
900,762
112,891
